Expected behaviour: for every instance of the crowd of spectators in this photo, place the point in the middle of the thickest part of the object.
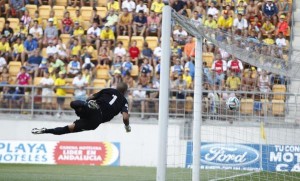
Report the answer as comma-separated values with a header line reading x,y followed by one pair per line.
x,y
38,44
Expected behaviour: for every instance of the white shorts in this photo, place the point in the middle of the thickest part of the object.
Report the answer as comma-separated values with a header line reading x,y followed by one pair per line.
x,y
47,97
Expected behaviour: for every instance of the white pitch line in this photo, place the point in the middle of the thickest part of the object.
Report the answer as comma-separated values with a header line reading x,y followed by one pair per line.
x,y
234,176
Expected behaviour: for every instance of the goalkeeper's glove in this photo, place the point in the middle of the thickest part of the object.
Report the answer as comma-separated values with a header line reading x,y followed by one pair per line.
x,y
92,104
127,128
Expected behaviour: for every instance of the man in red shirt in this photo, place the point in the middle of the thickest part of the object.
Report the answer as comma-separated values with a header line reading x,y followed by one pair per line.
x,y
66,24
235,65
134,52
220,67
282,26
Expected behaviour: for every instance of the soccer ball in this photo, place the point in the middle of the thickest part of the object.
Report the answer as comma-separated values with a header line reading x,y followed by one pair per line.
x,y
233,103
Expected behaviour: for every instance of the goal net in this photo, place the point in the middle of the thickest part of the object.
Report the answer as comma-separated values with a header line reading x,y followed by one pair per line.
x,y
201,139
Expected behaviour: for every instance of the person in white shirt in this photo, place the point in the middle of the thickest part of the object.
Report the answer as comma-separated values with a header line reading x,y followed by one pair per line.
x,y
180,35
37,31
212,10
3,63
47,91
142,7
129,4
93,35
51,49
157,52
73,66
138,97
280,41
120,50
196,19
61,49
88,64
240,23
79,82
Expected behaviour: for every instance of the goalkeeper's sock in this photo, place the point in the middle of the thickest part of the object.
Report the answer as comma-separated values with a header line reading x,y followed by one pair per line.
x,y
58,130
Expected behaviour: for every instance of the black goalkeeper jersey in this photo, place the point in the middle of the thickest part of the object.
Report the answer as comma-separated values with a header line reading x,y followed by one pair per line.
x,y
111,102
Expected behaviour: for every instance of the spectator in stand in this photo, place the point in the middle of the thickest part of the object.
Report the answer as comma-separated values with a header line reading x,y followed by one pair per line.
x,y
196,19
153,24
139,24
5,48
23,79
20,31
47,84
76,48
113,5
147,67
134,52
188,79
87,51
177,68
66,24
37,32
93,34
43,67
129,4
127,65
147,52
157,52
80,83
18,51
38,18
180,35
176,49
112,20
225,22
138,98
61,49
124,23
285,8
219,66
241,24
190,65
107,34
157,6
255,27
269,40
120,50
78,17
251,11
15,9
189,48
269,9
56,64
33,63
240,8
117,78
236,66
180,7
267,27
54,18
3,64
141,7
144,79
30,45
210,22
212,10
104,56
157,67
96,17
7,31
74,66
207,78
59,83
282,26
88,64
281,41
247,82
5,79
264,82
180,86
78,31
117,64
51,49
233,82
128,80
51,33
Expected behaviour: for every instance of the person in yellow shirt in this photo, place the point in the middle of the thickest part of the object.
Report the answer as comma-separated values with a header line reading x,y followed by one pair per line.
x,y
225,22
21,31
78,17
59,83
269,40
88,50
107,34
52,15
4,47
38,18
233,82
188,78
77,47
210,22
157,6
112,4
267,27
125,22
78,30
18,51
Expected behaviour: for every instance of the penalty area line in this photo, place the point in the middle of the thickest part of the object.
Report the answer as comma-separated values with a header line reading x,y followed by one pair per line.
x,y
234,176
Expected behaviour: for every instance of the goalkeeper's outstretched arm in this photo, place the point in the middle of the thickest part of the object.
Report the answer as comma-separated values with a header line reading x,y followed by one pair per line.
x,y
126,121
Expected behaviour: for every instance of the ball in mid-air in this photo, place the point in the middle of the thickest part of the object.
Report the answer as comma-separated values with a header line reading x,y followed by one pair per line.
x,y
233,103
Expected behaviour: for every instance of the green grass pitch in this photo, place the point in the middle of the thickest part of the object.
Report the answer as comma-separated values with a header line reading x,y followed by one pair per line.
x,y
28,172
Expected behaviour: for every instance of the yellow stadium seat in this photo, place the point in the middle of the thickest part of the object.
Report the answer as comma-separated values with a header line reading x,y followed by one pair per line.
x,y
14,68
102,3
69,81
14,22
152,41
62,2
189,104
86,13
247,106
37,81
125,40
2,23
139,41
59,12
31,9
94,55
44,52
86,25
65,38
208,58
44,11
102,11
279,89
102,74
135,71
98,84
72,11
278,107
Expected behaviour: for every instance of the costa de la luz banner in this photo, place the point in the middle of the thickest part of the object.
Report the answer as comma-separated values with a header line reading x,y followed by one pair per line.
x,y
53,152
247,157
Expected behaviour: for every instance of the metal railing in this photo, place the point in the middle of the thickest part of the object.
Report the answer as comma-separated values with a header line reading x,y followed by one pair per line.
x,y
253,105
